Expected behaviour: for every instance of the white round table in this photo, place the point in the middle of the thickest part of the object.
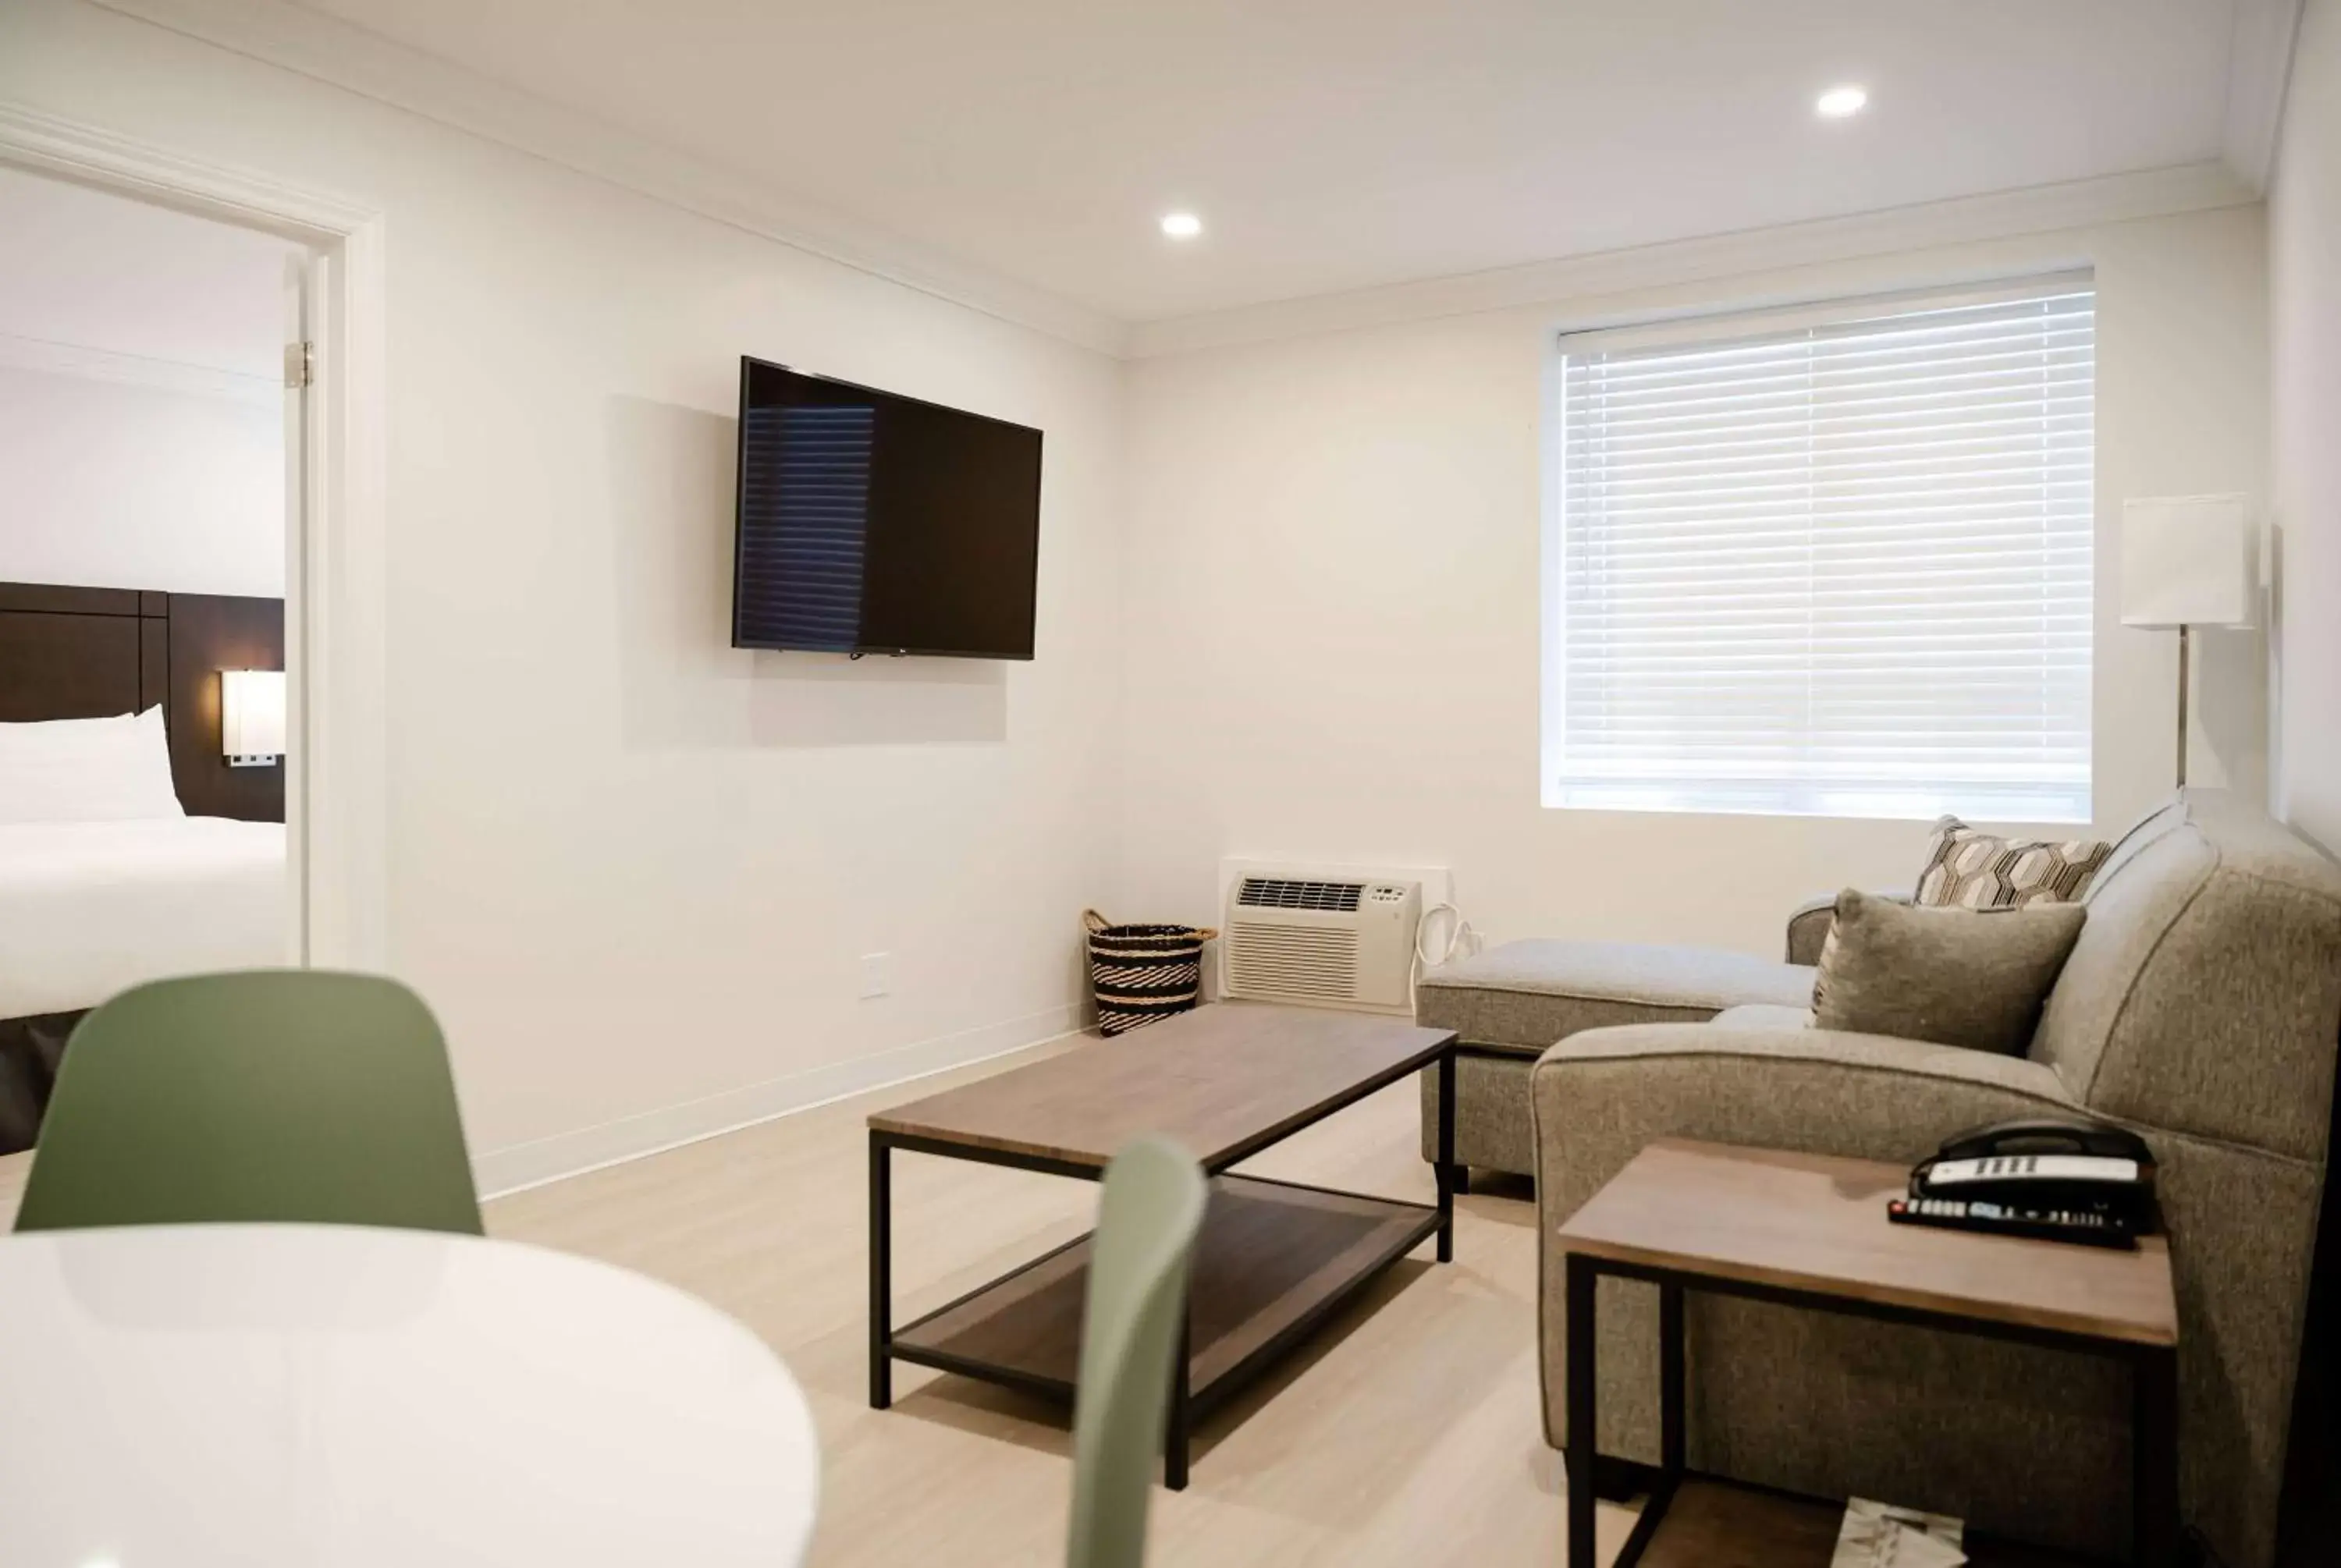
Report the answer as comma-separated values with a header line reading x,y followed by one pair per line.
x,y
345,1397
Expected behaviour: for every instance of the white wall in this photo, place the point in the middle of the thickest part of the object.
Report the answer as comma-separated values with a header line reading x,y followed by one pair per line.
x,y
113,484
2305,261
633,868
98,271
1332,599
142,423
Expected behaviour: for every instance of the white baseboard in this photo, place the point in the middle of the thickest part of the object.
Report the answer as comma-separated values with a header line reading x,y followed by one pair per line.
x,y
499,1171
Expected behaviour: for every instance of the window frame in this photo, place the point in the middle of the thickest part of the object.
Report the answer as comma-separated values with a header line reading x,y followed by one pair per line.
x,y
1720,328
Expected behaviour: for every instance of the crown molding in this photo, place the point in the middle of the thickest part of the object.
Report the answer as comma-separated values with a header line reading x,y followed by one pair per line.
x,y
328,49
139,369
2259,69
2006,214
31,139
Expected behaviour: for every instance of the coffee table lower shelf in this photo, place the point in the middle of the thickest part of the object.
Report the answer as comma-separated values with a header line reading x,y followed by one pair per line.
x,y
1712,1522
1275,1259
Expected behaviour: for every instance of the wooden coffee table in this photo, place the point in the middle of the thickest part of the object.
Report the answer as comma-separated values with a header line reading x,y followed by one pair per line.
x,y
1275,1258
1811,1231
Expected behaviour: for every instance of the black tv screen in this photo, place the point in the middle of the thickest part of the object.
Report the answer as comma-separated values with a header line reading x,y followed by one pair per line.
x,y
872,523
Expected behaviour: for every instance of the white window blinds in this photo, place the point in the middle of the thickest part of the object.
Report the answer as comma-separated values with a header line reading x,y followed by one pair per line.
x,y
1840,568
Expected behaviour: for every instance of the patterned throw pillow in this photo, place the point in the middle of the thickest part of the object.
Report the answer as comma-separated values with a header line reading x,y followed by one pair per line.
x,y
1968,869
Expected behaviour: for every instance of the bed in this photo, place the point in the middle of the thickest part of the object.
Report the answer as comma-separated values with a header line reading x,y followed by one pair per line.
x,y
90,909
129,849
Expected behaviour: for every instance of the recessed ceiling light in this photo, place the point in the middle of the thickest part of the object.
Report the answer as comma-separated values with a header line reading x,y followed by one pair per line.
x,y
1182,225
1838,103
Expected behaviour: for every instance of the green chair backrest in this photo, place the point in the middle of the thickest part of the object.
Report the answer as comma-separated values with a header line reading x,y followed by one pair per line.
x,y
1148,1219
299,1095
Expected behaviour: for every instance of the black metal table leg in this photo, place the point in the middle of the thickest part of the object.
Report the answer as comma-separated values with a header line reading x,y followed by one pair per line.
x,y
1670,1380
881,1285
2154,1459
1580,1396
1175,1436
1446,1168
2158,1537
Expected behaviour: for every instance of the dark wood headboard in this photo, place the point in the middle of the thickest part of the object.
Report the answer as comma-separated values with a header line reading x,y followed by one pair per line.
x,y
90,653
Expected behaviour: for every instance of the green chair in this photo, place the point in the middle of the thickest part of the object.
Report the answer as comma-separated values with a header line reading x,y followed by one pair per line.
x,y
1148,1219
288,1094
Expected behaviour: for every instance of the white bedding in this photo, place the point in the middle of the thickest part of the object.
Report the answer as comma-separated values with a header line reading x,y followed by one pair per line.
x,y
88,909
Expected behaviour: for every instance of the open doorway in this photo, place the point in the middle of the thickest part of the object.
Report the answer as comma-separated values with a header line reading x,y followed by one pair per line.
x,y
151,449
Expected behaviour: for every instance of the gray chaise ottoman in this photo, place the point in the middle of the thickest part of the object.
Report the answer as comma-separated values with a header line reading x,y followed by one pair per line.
x,y
1509,1003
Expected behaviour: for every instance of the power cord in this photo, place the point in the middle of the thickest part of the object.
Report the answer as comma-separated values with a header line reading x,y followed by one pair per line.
x,y
1461,939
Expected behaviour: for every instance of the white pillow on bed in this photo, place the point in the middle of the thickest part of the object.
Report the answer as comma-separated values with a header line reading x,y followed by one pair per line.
x,y
87,771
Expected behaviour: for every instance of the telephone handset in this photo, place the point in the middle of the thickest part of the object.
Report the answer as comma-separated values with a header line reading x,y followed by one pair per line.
x,y
2069,1180
2048,1136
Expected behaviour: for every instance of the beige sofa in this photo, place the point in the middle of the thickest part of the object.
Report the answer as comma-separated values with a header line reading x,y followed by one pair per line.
x,y
2200,1006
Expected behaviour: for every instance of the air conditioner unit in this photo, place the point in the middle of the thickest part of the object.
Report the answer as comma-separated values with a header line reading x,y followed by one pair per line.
x,y
1329,942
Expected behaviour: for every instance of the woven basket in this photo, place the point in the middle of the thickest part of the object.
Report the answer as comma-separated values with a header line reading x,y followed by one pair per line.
x,y
1141,973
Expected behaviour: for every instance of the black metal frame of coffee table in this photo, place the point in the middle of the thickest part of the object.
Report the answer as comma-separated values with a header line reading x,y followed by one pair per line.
x,y
1189,1404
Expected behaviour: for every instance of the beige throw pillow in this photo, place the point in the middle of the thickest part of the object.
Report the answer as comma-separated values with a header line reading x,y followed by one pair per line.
x,y
1968,869
1972,977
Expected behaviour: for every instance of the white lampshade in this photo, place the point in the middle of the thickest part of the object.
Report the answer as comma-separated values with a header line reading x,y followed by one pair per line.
x,y
2188,561
252,713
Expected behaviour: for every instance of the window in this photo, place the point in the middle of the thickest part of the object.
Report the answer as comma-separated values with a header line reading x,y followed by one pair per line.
x,y
1837,563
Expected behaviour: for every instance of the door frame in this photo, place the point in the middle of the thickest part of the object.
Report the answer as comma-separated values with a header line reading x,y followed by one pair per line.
x,y
337,783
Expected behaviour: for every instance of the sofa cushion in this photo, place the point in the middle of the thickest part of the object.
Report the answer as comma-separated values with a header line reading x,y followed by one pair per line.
x,y
1972,977
1865,1094
1763,1015
1522,997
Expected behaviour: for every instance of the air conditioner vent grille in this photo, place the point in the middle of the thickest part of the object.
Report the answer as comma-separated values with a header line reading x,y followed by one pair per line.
x,y
1285,893
1297,963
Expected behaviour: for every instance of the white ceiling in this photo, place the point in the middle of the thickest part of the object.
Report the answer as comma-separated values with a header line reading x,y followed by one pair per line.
x,y
1337,144
81,269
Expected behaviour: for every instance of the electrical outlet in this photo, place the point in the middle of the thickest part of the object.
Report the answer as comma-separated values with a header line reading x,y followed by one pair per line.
x,y
877,975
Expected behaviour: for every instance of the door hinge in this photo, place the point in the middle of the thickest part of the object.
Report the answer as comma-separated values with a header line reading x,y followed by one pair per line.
x,y
300,364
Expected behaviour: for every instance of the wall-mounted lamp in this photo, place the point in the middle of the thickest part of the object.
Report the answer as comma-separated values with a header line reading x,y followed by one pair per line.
x,y
2186,561
252,717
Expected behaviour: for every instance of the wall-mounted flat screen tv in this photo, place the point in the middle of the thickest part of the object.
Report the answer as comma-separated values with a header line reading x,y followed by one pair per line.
x,y
873,523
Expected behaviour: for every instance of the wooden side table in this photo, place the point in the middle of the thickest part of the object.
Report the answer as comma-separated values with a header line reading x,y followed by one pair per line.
x,y
1811,1231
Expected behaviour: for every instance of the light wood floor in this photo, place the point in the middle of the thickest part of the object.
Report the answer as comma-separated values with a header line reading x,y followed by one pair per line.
x,y
1407,1432
12,1183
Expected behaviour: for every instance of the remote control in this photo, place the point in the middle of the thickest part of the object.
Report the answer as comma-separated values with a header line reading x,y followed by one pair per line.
x,y
2084,1225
